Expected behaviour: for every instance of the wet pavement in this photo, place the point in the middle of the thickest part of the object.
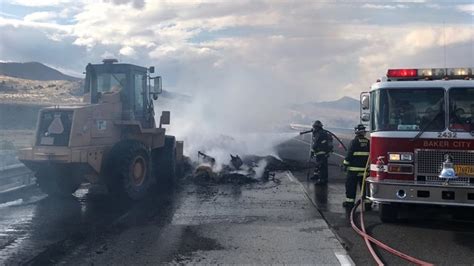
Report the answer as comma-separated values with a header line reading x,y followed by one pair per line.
x,y
434,234
262,222
233,224
33,224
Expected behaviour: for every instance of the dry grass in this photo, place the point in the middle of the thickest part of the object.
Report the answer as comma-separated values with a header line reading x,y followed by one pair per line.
x,y
16,90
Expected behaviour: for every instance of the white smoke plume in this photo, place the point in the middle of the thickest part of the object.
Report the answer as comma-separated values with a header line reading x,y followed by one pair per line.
x,y
220,124
260,169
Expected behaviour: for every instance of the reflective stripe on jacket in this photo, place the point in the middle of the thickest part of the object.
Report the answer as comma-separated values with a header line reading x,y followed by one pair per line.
x,y
319,153
357,154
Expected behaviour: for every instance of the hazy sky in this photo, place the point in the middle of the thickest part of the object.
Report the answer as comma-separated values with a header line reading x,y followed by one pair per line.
x,y
290,51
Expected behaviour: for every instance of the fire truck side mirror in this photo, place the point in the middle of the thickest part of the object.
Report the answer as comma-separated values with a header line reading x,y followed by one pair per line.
x,y
365,109
365,117
365,101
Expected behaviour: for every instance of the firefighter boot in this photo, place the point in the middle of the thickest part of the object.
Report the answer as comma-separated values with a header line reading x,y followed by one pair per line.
x,y
315,175
348,203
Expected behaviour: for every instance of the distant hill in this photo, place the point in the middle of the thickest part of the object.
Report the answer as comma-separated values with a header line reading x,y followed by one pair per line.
x,y
345,103
33,71
342,113
17,90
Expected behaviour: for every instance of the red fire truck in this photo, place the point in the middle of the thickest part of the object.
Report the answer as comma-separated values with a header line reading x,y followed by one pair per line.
x,y
422,138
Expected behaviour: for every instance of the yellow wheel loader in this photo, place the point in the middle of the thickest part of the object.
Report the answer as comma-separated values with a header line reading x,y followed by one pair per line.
x,y
110,139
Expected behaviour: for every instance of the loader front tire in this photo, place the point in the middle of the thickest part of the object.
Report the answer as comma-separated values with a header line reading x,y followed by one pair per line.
x,y
129,170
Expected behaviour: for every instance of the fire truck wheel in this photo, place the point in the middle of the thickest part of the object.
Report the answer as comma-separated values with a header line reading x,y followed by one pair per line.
x,y
129,173
388,213
164,161
463,213
56,184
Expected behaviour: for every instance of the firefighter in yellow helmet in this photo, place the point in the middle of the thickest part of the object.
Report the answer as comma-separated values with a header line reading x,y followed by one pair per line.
x,y
354,164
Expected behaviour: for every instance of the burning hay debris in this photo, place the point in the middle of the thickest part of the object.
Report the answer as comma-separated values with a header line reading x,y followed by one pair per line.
x,y
249,169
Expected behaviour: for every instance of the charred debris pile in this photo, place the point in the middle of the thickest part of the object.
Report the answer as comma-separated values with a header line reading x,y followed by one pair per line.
x,y
239,170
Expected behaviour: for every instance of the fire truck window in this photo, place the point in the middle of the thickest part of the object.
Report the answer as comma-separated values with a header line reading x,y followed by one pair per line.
x,y
461,109
408,110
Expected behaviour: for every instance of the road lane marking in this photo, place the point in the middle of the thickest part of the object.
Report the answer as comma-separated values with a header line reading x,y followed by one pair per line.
x,y
308,143
302,187
344,259
290,176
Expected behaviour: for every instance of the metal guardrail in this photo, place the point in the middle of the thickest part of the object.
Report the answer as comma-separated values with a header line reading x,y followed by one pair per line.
x,y
15,176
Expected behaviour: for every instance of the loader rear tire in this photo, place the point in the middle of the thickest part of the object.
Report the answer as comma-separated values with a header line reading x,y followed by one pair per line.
x,y
129,170
56,184
164,161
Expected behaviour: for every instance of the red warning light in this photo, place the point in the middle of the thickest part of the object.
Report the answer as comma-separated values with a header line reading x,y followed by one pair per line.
x,y
402,73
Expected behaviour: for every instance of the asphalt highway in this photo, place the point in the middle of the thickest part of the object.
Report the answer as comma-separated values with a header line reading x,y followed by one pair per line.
x,y
194,222
284,222
443,236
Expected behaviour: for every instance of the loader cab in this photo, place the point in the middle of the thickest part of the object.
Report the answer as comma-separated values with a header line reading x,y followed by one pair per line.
x,y
124,82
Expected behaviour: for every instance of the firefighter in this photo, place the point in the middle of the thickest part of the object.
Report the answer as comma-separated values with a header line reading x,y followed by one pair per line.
x,y
355,163
320,149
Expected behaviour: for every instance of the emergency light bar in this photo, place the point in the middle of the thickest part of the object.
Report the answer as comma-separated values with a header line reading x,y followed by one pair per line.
x,y
430,73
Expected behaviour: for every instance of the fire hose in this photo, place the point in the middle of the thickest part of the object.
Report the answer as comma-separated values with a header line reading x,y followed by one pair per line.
x,y
369,239
332,134
362,232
